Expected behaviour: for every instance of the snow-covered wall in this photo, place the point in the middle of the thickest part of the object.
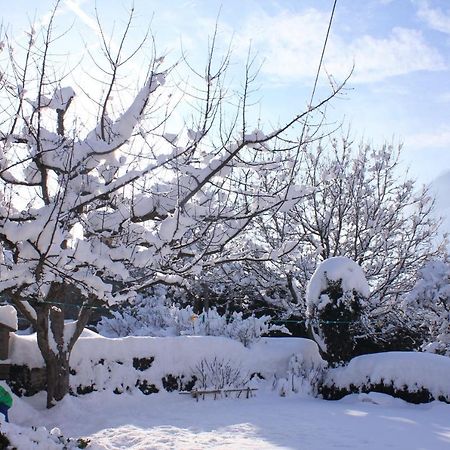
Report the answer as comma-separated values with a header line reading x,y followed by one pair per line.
x,y
114,363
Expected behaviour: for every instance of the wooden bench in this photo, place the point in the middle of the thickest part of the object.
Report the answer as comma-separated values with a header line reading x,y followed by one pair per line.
x,y
197,393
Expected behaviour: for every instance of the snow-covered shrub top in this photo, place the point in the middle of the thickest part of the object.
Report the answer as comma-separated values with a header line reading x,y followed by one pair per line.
x,y
8,316
154,316
335,269
172,355
433,286
414,370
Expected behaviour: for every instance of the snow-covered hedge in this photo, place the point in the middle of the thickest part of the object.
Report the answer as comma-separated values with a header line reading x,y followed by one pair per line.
x,y
151,363
415,377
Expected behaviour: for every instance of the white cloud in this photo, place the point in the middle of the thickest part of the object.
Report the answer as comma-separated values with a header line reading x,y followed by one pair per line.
x,y
402,52
430,139
292,44
434,18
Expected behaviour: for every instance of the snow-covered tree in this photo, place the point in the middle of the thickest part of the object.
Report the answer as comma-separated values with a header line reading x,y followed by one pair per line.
x,y
362,206
336,296
429,304
129,201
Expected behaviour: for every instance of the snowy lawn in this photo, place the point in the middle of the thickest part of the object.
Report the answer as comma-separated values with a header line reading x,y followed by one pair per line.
x,y
267,421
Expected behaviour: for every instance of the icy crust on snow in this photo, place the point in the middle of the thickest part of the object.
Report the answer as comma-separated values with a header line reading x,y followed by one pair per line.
x,y
172,355
414,370
8,316
335,269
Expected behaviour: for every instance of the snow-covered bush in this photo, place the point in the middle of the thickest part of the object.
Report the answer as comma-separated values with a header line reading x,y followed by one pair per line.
x,y
303,376
430,302
143,316
416,377
336,294
156,316
217,373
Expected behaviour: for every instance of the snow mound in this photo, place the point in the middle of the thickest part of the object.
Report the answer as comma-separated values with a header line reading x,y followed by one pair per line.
x,y
36,438
335,269
403,371
8,316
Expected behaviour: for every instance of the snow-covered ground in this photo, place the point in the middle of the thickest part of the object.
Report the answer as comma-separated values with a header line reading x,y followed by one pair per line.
x,y
266,421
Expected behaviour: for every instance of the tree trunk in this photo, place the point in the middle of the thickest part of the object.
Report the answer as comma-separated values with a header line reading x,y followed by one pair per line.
x,y
56,353
54,344
58,371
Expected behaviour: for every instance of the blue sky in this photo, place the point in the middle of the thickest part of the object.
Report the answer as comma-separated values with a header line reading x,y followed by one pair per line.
x,y
400,88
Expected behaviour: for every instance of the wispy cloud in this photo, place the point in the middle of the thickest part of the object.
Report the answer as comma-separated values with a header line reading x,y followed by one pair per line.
x,y
435,18
75,7
292,43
